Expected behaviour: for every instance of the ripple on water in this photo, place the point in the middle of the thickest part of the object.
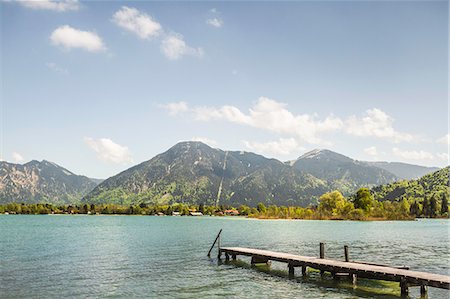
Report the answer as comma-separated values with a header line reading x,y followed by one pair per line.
x,y
164,257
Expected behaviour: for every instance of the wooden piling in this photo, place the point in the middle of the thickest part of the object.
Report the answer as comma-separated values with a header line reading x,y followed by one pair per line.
x,y
354,279
233,256
322,255
304,269
214,243
346,253
403,288
423,291
219,253
291,270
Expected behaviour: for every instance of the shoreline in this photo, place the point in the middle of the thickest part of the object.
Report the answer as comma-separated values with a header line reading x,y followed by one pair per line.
x,y
371,219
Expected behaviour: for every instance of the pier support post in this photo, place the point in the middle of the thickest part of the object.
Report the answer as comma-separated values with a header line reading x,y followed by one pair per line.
x,y
227,256
423,291
354,279
233,256
322,255
346,253
304,270
403,288
291,270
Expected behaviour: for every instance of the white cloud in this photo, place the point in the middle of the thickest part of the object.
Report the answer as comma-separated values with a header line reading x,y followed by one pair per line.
x,y
18,158
376,123
208,141
56,68
444,139
412,155
270,115
174,47
68,38
371,151
137,22
176,108
109,151
273,116
60,6
215,22
282,147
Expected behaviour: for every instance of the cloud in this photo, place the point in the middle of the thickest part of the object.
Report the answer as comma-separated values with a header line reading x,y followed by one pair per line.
x,y
174,47
444,139
376,123
56,68
412,155
176,108
281,147
59,6
137,22
270,115
109,151
18,158
69,38
208,141
215,22
371,151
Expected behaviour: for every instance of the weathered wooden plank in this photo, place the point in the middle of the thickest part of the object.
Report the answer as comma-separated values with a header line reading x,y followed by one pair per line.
x,y
363,270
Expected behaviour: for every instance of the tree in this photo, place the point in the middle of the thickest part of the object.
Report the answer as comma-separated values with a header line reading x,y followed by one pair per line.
x,y
433,207
426,207
414,209
201,208
363,199
444,205
332,203
85,209
261,208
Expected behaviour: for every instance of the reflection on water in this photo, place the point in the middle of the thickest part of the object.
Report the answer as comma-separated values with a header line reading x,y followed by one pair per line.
x,y
165,257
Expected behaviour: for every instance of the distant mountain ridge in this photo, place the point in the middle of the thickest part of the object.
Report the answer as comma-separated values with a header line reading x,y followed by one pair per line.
x,y
193,172
404,170
43,181
341,172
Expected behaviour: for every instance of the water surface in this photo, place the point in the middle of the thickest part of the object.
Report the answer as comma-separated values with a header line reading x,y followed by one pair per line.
x,y
56,256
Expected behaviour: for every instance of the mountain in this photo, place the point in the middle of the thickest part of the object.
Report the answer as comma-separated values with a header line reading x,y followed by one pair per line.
x,y
341,172
436,183
193,172
43,181
404,170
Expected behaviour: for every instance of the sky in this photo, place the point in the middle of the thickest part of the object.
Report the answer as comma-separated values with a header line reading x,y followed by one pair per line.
x,y
98,87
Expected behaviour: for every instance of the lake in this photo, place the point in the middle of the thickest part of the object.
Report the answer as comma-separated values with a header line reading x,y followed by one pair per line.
x,y
57,256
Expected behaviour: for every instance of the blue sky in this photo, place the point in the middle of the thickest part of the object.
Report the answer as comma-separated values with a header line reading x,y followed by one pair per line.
x,y
100,86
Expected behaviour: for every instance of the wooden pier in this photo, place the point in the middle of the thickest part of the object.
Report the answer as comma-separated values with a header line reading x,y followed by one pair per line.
x,y
338,269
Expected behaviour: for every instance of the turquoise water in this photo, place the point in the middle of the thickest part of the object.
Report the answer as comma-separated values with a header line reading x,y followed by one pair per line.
x,y
56,256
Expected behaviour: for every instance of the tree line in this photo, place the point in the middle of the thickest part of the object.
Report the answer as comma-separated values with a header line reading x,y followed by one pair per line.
x,y
331,205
